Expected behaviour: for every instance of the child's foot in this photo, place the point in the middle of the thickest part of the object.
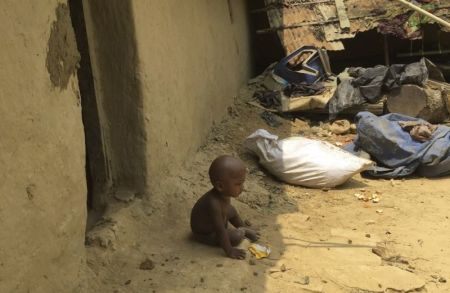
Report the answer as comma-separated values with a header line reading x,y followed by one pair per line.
x,y
252,235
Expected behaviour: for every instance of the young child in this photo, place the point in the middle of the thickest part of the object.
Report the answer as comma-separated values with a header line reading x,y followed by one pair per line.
x,y
212,212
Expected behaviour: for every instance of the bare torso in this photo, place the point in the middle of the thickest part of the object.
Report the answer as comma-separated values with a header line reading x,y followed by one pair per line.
x,y
202,213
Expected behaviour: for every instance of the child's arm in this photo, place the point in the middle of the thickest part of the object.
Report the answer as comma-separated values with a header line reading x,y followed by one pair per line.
x,y
237,222
222,233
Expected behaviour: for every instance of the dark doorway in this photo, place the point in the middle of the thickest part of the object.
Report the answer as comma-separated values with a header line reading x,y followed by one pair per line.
x,y
96,168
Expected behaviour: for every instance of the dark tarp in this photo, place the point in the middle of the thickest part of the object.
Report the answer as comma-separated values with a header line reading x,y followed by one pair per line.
x,y
369,84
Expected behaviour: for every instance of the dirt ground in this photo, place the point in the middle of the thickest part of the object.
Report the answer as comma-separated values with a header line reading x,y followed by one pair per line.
x,y
322,241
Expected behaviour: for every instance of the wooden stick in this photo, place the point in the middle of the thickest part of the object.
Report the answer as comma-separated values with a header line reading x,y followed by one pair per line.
x,y
342,14
426,13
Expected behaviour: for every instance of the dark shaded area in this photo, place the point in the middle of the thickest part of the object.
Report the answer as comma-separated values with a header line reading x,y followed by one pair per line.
x,y
111,28
96,173
368,49
266,48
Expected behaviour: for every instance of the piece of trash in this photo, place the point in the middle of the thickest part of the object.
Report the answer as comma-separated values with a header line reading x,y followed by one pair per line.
x,y
303,161
271,119
374,197
340,127
259,251
379,211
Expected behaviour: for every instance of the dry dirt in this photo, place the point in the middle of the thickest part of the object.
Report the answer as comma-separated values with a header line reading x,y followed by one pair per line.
x,y
322,241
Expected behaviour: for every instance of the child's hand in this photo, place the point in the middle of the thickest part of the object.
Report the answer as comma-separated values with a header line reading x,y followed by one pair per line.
x,y
252,235
237,253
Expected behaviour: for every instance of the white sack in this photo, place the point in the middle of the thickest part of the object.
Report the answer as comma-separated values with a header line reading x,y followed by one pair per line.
x,y
306,162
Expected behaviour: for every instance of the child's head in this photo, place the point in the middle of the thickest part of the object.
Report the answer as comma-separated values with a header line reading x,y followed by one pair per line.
x,y
227,175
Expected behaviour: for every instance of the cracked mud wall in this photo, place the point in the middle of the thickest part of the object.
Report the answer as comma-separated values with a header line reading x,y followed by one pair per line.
x,y
194,57
43,189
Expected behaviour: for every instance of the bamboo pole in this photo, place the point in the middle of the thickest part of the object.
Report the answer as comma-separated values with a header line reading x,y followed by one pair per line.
x,y
426,13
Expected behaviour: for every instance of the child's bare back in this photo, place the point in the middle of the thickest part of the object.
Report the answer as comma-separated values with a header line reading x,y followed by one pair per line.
x,y
212,212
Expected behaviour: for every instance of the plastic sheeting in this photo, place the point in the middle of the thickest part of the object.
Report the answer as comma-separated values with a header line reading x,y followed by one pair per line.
x,y
369,84
397,153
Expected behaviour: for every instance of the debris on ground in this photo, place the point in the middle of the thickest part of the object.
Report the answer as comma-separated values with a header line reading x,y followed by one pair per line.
x,y
147,265
398,154
368,197
340,127
271,119
367,85
259,251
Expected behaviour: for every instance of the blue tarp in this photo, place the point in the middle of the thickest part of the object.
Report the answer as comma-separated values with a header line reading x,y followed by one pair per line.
x,y
397,154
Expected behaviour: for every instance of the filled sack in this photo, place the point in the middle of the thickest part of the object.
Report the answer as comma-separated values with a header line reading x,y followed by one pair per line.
x,y
303,161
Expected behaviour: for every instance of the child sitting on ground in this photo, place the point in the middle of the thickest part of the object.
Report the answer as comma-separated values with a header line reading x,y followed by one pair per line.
x,y
212,212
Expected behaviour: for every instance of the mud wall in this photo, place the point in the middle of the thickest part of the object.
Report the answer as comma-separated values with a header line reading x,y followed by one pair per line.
x,y
194,57
164,72
114,59
43,190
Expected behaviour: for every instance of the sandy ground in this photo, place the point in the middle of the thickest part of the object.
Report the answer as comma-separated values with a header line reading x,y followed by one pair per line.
x,y
322,241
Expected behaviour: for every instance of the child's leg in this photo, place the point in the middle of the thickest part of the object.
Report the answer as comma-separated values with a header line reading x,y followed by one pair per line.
x,y
235,235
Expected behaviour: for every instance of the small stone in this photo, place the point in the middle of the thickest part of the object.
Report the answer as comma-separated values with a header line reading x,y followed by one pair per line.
x,y
255,274
202,280
368,235
442,280
252,262
243,288
303,281
128,282
435,277
392,182
283,268
147,265
349,241
379,211
219,265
